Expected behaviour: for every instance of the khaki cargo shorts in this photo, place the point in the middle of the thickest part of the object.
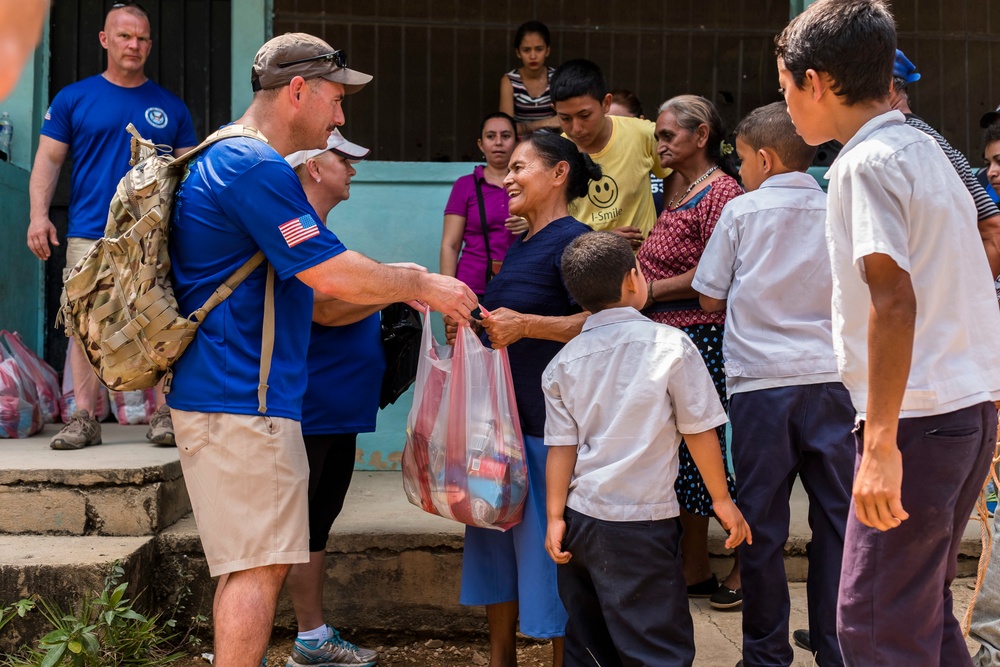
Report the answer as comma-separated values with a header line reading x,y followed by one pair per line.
x,y
248,478
76,248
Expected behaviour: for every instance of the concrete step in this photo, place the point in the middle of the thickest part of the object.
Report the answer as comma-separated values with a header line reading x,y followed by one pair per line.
x,y
390,566
124,486
65,569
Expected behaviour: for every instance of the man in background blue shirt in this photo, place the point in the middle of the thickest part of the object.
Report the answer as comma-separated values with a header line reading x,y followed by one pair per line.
x,y
88,119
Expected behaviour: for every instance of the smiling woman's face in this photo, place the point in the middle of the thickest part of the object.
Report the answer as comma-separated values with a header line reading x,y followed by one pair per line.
x,y
529,182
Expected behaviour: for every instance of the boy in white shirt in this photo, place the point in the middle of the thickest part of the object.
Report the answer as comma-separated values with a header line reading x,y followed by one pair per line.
x,y
914,328
767,265
618,398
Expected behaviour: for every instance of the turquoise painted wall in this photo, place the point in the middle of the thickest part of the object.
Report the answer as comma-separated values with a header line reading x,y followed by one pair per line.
x,y
395,214
21,286
22,275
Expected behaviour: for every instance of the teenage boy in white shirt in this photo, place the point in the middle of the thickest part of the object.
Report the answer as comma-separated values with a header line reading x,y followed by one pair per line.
x,y
914,328
618,398
767,265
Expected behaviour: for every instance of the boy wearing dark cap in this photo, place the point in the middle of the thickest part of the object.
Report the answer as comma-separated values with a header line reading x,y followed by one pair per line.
x,y
901,232
240,197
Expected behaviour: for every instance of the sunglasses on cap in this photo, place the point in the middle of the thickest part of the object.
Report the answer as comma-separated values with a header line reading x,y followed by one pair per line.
x,y
338,58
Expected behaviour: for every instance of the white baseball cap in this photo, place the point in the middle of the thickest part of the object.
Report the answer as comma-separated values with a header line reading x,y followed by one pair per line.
x,y
336,143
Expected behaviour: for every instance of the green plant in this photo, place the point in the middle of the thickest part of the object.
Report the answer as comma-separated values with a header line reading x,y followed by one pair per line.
x,y
106,632
12,611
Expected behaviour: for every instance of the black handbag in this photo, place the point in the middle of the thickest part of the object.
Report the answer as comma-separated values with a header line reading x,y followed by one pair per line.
x,y
401,331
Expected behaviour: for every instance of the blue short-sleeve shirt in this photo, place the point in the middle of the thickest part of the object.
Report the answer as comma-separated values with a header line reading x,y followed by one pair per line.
x,y
90,116
237,197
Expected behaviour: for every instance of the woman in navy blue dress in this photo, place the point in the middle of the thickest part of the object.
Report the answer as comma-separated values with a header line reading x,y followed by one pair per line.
x,y
532,315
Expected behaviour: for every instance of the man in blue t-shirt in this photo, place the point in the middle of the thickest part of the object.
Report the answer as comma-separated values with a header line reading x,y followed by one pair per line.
x,y
87,119
245,465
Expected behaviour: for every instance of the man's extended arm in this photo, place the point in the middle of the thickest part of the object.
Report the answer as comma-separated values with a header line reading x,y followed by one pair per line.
x,y
350,276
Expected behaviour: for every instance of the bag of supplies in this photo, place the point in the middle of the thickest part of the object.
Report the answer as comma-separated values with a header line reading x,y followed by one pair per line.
x,y
20,415
464,457
34,369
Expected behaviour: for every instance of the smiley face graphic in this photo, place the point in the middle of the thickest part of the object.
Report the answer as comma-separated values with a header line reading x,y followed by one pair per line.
x,y
603,193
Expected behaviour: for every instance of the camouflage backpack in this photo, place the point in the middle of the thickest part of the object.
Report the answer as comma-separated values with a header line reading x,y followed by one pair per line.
x,y
119,301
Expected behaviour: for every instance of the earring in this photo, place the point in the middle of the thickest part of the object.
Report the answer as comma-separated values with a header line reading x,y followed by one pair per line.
x,y
318,179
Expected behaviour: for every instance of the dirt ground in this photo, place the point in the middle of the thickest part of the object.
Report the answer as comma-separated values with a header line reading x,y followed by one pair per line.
x,y
426,653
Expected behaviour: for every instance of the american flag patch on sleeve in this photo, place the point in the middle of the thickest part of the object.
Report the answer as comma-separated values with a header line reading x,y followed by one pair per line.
x,y
298,230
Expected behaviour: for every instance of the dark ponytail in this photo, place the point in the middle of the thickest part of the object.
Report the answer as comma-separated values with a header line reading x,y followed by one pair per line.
x,y
553,149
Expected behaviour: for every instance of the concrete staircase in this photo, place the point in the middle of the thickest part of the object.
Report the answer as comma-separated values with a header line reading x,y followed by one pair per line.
x,y
65,516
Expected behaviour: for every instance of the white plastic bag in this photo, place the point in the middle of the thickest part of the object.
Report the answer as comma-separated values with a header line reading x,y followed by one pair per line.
x,y
464,454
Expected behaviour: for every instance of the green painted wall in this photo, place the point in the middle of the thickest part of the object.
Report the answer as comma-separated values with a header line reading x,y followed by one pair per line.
x,y
21,286
395,214
251,27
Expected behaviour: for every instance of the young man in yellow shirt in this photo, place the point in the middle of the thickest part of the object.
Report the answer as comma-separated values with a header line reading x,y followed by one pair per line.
x,y
621,201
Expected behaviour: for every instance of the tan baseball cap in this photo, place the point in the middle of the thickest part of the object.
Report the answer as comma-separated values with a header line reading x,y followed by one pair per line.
x,y
297,54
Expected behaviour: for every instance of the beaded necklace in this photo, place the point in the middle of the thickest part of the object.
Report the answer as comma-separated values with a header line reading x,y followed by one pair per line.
x,y
708,173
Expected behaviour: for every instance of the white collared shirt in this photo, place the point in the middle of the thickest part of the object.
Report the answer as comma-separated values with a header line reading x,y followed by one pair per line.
x,y
768,257
623,391
893,192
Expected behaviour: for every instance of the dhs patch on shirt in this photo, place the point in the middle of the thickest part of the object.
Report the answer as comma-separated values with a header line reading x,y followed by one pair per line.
x,y
156,117
298,230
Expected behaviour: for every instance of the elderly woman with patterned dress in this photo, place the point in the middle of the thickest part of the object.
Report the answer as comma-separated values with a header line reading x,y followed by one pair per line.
x,y
524,91
689,136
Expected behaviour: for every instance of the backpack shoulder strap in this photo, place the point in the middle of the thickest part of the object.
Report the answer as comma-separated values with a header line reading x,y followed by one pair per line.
x,y
227,132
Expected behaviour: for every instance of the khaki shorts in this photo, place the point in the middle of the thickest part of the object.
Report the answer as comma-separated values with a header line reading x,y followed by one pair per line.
x,y
247,477
76,248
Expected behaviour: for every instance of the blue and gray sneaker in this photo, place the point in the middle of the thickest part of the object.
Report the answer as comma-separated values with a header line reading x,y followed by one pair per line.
x,y
334,652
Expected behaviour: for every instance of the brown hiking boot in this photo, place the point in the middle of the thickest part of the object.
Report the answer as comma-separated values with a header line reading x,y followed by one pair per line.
x,y
82,430
161,428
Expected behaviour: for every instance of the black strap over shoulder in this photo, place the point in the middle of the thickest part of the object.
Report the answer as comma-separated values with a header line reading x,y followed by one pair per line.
x,y
486,231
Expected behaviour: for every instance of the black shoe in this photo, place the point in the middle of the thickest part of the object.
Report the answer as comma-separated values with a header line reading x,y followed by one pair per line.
x,y
801,639
726,598
739,664
704,589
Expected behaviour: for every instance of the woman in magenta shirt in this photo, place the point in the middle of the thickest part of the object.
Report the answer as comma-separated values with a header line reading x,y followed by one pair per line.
x,y
464,247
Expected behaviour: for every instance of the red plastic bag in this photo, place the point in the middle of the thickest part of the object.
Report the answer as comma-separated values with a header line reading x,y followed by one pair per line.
x,y
464,455
34,369
20,415
134,407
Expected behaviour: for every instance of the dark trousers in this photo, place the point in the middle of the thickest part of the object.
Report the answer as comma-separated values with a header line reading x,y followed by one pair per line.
x,y
895,589
625,595
779,433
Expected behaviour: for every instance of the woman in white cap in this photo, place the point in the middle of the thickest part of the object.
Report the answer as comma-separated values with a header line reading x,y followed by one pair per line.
x,y
345,365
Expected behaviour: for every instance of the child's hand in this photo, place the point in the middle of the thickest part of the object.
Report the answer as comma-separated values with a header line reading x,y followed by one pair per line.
x,y
553,542
733,522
